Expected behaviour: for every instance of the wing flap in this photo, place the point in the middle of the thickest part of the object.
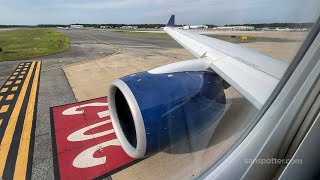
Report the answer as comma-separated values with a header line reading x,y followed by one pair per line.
x,y
253,84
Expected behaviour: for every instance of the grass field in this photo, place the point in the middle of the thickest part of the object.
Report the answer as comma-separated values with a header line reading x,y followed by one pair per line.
x,y
31,43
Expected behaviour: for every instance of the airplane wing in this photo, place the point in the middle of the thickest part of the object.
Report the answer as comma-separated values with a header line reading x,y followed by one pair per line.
x,y
253,74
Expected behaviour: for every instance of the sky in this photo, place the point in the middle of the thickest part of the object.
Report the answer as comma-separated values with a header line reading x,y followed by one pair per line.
x,y
218,12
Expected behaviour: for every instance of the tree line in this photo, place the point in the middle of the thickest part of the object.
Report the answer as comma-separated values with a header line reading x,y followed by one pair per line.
x,y
261,25
275,25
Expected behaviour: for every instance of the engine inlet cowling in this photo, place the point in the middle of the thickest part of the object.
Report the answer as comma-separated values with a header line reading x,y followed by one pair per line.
x,y
151,112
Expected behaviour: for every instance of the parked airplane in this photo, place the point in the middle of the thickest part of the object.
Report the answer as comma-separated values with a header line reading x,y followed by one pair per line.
x,y
152,110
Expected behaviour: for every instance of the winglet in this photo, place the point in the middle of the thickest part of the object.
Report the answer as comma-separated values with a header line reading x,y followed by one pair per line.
x,y
171,21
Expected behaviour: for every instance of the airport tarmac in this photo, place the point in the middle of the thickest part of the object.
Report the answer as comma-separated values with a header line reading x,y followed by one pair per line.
x,y
55,89
63,81
187,159
267,34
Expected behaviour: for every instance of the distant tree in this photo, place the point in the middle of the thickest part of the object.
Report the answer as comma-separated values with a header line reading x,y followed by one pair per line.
x,y
274,25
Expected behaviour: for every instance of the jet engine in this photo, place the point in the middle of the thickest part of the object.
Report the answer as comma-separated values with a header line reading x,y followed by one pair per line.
x,y
151,112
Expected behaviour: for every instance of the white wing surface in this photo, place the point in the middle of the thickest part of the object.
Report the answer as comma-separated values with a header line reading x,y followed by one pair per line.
x,y
253,74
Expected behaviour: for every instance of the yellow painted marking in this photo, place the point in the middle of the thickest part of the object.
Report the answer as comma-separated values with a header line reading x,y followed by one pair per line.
x,y
15,73
18,81
20,77
9,83
244,37
14,88
8,134
3,90
22,158
23,72
10,97
0,98
1,121
12,77
4,108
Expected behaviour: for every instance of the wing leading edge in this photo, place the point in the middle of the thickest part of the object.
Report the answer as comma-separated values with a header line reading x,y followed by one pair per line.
x,y
253,74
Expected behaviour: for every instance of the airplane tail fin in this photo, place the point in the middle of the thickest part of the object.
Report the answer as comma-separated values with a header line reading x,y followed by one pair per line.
x,y
171,21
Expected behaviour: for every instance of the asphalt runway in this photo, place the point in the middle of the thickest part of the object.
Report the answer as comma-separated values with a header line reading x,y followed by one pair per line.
x,y
84,47
55,90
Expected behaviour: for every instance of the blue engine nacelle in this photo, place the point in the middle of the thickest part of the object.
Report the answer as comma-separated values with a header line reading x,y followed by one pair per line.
x,y
151,112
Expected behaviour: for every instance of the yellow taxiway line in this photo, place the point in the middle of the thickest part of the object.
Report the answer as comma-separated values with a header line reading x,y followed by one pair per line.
x,y
23,153
17,115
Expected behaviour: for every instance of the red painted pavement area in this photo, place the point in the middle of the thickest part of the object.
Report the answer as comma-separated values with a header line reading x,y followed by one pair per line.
x,y
85,145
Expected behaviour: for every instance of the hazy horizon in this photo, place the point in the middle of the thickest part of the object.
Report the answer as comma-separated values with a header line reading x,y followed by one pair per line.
x,y
145,24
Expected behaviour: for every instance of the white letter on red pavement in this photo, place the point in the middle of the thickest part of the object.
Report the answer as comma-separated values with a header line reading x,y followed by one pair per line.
x,y
103,114
80,136
74,111
85,159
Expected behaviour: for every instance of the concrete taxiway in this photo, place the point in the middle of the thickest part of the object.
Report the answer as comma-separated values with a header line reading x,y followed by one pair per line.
x,y
69,77
189,158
